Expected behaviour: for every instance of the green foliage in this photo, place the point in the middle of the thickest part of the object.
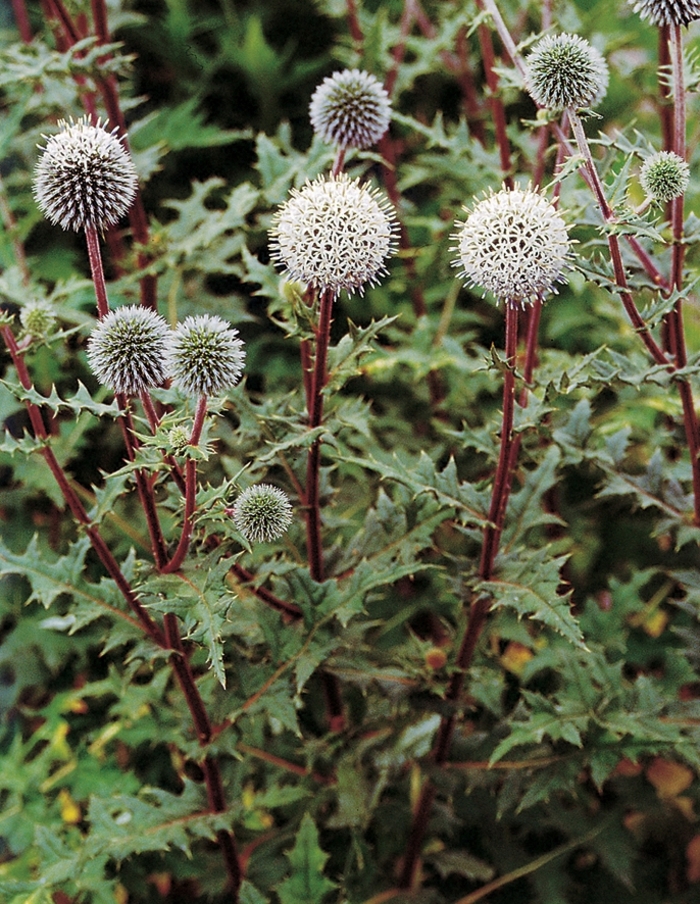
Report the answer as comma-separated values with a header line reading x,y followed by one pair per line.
x,y
168,689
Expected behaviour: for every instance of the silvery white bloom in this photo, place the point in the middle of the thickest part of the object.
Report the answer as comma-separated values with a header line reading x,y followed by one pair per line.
x,y
668,12
127,349
664,176
513,244
262,512
566,71
350,109
205,355
334,233
84,178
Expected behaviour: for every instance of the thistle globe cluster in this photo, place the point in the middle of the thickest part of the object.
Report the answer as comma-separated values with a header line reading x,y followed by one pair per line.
x,y
668,12
262,513
84,178
334,234
513,244
350,109
565,71
38,318
664,176
133,349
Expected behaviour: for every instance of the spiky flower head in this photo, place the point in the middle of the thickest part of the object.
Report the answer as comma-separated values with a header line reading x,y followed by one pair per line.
x,y
84,177
350,109
38,318
664,176
179,438
513,244
566,71
334,234
668,12
262,512
127,349
205,355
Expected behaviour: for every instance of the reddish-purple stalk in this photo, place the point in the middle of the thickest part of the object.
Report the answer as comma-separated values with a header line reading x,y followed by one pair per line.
x,y
479,609
203,727
98,276
22,20
497,110
190,492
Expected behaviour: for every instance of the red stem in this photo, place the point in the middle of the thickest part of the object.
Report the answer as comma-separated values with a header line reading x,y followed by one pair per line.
x,y
190,492
22,20
98,275
497,110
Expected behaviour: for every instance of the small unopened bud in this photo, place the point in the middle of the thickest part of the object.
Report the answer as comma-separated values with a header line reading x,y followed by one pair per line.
x,y
664,176
38,319
262,512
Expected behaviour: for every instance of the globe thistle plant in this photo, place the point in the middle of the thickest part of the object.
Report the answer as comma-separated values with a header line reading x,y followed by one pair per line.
x,y
565,71
38,319
205,356
84,179
513,244
664,176
668,12
350,109
262,512
127,349
334,234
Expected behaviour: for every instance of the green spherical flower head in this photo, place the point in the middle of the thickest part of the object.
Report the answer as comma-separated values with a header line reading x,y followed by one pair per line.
x,y
262,512
668,12
664,176
334,234
84,178
205,356
38,319
566,71
513,244
128,348
350,109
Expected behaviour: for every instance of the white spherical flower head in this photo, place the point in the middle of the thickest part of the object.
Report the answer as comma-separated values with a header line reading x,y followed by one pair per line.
x,y
205,356
513,244
350,109
566,71
262,512
668,12
84,178
664,176
334,234
127,349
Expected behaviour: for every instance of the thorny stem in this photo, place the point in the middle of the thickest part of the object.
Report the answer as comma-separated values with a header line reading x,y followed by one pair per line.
x,y
312,502
203,727
676,332
98,275
190,492
479,608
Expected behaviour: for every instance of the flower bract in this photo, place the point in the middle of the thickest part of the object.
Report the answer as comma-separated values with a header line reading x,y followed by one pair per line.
x,y
262,512
84,178
350,109
668,12
513,244
205,355
127,349
334,233
664,176
566,71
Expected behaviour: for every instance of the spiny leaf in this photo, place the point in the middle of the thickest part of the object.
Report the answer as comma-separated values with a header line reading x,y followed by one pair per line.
x,y
307,884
